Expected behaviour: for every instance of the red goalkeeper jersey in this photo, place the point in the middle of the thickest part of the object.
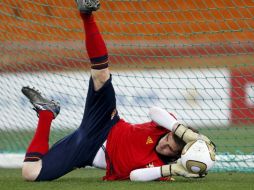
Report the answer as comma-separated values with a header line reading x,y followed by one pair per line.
x,y
130,147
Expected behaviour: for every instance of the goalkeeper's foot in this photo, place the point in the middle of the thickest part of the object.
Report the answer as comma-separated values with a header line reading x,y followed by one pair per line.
x,y
88,6
39,102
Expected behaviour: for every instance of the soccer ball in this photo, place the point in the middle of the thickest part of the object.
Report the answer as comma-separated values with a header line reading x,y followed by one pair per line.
x,y
198,156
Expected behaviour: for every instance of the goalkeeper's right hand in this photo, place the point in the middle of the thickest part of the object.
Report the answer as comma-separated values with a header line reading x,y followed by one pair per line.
x,y
155,173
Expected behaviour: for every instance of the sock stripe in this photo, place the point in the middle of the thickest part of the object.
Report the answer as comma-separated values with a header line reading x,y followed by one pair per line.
x,y
33,157
99,60
99,63
99,66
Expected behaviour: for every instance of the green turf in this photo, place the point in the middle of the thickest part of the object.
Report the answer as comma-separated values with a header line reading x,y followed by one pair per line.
x,y
10,179
231,140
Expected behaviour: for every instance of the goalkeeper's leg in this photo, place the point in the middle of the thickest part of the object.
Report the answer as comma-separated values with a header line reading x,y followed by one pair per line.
x,y
95,46
38,147
100,74
47,110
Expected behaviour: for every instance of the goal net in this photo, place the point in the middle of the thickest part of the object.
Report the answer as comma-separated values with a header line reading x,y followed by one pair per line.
x,y
193,58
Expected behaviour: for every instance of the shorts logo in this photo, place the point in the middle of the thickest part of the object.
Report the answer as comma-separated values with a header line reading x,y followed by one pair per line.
x,y
113,114
149,140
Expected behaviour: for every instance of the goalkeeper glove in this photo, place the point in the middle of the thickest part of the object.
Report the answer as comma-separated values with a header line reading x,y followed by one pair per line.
x,y
176,169
168,121
189,135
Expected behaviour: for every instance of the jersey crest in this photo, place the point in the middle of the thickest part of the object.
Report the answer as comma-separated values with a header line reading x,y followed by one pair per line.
x,y
149,140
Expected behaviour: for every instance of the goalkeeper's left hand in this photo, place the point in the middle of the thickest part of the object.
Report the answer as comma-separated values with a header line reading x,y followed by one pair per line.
x,y
189,135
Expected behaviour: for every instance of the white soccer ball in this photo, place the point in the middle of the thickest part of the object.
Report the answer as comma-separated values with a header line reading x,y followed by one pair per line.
x,y
198,156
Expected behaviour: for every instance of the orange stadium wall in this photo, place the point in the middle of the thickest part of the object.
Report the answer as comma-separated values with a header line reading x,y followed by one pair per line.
x,y
50,31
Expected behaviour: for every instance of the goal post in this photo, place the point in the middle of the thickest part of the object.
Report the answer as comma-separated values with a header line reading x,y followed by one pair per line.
x,y
193,58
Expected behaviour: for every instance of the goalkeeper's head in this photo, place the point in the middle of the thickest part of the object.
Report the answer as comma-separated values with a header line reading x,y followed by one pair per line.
x,y
170,146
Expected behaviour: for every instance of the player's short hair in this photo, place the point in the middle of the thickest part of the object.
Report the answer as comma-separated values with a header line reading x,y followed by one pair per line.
x,y
179,142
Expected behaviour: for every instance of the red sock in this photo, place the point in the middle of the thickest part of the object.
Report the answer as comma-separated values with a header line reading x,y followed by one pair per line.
x,y
95,44
40,142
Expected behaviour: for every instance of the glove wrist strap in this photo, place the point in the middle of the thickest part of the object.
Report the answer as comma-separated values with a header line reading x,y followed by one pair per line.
x,y
166,170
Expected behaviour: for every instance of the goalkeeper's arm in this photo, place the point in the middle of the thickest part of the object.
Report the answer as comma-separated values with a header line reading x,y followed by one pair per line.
x,y
168,121
150,174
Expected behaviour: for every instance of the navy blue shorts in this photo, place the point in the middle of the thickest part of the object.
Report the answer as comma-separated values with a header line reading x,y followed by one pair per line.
x,y
79,148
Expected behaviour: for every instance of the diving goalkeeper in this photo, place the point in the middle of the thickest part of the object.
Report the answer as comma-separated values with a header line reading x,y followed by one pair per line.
x,y
139,152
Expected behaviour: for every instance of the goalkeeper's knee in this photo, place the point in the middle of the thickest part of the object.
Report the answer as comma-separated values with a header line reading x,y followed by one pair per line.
x,y
31,170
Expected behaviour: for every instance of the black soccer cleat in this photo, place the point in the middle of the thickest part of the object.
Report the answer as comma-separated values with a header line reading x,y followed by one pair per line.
x,y
88,6
39,102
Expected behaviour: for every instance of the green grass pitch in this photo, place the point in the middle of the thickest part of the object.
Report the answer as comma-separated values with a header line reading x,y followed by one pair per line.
x,y
10,179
